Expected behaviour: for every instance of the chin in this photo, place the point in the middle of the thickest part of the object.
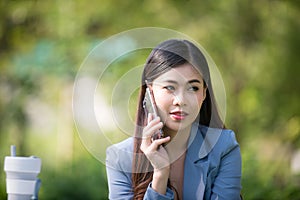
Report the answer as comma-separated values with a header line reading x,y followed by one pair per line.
x,y
177,127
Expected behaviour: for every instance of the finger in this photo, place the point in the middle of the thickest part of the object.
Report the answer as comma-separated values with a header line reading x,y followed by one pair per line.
x,y
151,124
151,128
153,147
156,143
150,118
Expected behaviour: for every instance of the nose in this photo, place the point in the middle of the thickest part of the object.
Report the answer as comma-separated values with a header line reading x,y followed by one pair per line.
x,y
179,99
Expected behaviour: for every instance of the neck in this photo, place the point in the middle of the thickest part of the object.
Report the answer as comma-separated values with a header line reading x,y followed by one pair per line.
x,y
178,143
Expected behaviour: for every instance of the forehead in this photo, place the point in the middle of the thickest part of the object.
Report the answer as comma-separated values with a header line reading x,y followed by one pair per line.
x,y
181,73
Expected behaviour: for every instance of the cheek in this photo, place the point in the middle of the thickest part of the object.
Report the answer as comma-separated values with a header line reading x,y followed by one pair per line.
x,y
163,102
195,103
195,100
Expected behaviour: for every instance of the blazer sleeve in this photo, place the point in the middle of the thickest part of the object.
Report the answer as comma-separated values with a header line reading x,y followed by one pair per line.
x,y
227,184
119,179
118,170
153,195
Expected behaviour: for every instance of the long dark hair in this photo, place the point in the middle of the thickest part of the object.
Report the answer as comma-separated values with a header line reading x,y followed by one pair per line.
x,y
167,55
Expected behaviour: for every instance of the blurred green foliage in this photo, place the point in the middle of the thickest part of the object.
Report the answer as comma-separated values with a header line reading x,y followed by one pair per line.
x,y
255,44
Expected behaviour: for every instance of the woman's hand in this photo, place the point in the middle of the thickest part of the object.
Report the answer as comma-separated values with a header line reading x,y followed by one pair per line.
x,y
156,154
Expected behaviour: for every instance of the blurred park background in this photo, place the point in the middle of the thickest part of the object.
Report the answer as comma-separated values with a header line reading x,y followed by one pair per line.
x,y
255,45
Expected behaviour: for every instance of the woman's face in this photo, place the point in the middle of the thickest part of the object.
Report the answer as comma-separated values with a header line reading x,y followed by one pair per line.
x,y
179,94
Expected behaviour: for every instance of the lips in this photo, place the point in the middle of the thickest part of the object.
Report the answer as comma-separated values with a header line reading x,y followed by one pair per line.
x,y
178,115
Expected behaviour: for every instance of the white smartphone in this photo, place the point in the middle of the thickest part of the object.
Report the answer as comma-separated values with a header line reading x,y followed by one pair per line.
x,y
150,107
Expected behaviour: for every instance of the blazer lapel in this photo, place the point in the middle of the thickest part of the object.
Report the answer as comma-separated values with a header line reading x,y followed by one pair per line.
x,y
195,169
201,142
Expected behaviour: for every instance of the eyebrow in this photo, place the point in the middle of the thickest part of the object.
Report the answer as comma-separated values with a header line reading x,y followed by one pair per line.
x,y
194,81
190,81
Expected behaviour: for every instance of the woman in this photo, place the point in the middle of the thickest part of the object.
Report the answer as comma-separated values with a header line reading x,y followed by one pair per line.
x,y
197,158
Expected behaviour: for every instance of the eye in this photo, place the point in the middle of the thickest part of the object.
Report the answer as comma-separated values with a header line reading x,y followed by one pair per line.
x,y
169,88
193,88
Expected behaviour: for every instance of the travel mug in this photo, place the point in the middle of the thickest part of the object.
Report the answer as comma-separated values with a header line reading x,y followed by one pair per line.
x,y
21,176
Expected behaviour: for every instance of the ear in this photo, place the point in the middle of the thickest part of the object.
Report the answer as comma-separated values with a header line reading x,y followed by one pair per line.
x,y
150,86
204,93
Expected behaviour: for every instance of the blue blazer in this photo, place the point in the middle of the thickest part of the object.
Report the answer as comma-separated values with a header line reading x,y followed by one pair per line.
x,y
212,168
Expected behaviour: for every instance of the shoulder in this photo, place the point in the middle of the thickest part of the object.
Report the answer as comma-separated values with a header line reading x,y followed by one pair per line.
x,y
227,137
126,144
119,156
227,141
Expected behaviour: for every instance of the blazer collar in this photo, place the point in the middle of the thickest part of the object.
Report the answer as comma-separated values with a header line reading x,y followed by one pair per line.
x,y
201,141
